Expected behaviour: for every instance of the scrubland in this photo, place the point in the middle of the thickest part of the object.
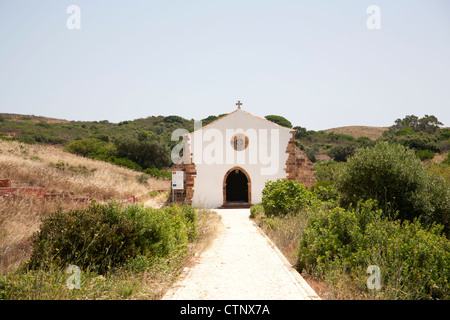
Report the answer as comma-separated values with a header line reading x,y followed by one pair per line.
x,y
69,177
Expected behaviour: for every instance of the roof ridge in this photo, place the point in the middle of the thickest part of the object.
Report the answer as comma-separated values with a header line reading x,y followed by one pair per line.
x,y
212,122
250,114
268,121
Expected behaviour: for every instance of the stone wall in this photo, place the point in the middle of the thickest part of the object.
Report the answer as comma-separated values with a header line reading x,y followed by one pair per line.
x,y
5,183
6,191
185,196
11,192
298,166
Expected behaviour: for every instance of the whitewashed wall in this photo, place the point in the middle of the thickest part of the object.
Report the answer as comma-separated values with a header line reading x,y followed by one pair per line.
x,y
213,155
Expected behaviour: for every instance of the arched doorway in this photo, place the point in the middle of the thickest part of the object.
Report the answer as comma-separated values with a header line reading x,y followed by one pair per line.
x,y
236,186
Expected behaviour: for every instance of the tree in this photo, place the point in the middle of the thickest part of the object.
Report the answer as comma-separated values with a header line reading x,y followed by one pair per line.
x,y
417,133
342,152
428,124
209,119
173,119
300,132
425,124
410,121
279,120
397,179
146,149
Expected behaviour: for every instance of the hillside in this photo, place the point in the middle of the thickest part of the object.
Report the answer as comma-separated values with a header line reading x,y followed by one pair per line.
x,y
144,144
62,172
65,178
359,131
22,124
30,118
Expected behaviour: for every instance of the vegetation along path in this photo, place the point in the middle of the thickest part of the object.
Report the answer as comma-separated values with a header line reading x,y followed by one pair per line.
x,y
241,263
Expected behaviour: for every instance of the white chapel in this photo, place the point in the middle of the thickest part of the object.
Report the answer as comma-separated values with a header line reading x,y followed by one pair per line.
x,y
227,162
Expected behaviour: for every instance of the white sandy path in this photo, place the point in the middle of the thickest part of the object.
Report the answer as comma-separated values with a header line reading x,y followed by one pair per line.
x,y
241,264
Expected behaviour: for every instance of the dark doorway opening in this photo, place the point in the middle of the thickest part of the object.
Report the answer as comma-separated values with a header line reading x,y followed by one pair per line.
x,y
236,187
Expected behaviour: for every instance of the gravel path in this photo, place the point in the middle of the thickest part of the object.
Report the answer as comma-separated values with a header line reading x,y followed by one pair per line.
x,y
241,264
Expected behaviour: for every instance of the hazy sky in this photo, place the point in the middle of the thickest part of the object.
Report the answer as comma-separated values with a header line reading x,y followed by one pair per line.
x,y
314,62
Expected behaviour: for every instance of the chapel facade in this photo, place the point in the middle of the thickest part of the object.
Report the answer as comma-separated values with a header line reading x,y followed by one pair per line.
x,y
227,162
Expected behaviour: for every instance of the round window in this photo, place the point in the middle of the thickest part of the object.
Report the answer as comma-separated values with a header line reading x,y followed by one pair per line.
x,y
239,142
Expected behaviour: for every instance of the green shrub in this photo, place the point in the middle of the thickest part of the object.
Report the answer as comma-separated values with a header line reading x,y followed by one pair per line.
x,y
41,137
414,261
444,134
123,162
61,165
284,196
101,237
325,191
328,170
148,150
435,199
447,160
333,232
85,147
364,142
417,141
406,131
421,142
27,139
341,153
256,209
397,179
100,136
142,178
425,154
158,173
2,137
173,119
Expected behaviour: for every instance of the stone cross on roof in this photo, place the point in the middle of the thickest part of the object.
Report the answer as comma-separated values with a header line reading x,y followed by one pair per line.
x,y
239,104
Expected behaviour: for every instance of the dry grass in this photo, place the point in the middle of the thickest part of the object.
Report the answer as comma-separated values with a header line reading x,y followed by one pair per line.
x,y
285,232
33,119
20,217
62,172
438,158
35,166
157,199
359,131
209,225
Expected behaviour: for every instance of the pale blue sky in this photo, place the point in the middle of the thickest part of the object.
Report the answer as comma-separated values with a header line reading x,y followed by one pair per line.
x,y
314,62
